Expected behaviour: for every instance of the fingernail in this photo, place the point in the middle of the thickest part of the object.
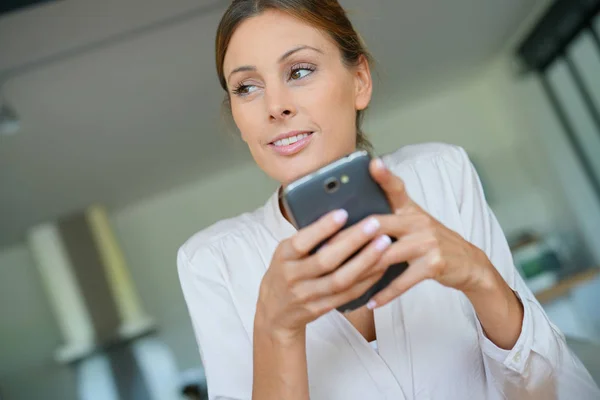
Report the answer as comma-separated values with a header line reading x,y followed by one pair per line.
x,y
371,226
379,163
340,216
371,304
383,242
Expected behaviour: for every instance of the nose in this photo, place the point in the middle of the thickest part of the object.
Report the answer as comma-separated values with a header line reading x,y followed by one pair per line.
x,y
280,103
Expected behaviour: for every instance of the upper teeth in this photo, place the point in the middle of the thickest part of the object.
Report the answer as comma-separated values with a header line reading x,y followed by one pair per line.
x,y
290,140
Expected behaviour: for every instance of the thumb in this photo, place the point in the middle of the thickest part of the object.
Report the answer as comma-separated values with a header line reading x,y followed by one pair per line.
x,y
391,184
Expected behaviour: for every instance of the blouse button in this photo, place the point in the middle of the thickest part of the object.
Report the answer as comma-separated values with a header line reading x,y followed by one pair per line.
x,y
517,357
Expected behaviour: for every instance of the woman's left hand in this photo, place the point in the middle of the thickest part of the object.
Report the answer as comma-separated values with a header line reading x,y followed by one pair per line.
x,y
432,250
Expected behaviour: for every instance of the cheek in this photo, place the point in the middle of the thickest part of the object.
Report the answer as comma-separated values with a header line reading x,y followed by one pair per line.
x,y
335,106
244,121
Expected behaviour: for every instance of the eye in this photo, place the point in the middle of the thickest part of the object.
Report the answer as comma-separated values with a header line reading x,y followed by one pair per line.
x,y
300,72
244,90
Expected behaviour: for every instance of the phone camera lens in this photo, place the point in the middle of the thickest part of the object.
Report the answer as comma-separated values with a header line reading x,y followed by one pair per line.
x,y
331,185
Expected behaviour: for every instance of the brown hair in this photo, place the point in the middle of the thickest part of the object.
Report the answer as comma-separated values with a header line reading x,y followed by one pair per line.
x,y
327,15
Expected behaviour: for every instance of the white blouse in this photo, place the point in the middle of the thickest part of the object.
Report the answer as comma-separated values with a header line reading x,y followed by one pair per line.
x,y
430,344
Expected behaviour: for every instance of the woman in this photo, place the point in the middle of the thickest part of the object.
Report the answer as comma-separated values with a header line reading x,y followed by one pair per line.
x,y
458,324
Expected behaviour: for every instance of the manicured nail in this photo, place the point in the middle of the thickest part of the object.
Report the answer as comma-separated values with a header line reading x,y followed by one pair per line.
x,y
379,164
371,304
371,226
383,242
340,216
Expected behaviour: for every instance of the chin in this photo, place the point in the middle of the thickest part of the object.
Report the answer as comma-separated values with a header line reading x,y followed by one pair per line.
x,y
297,173
301,166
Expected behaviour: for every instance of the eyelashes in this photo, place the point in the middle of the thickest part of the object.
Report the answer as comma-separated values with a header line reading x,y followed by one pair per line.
x,y
293,75
242,89
296,72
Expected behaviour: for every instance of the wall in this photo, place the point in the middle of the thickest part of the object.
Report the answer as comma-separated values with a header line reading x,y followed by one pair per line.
x,y
546,149
28,334
151,232
476,113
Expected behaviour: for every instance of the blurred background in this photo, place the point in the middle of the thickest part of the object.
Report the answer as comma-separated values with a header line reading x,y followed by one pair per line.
x,y
114,150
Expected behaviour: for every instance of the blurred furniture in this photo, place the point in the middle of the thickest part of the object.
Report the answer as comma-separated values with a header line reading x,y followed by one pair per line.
x,y
193,384
551,268
564,286
108,337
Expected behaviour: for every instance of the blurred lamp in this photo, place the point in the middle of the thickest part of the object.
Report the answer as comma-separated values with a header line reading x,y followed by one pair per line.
x,y
9,121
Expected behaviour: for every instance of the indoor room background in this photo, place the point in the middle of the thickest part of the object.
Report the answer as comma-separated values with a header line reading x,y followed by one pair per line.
x,y
114,150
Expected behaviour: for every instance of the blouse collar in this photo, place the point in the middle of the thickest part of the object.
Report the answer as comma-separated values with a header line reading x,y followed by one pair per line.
x,y
274,219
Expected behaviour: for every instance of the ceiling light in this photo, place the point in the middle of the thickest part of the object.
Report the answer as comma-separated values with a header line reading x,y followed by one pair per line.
x,y
9,121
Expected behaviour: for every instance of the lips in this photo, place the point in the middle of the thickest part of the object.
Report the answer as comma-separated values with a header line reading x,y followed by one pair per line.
x,y
291,143
290,139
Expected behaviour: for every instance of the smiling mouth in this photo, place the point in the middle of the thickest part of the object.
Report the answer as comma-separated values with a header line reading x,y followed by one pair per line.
x,y
292,145
290,140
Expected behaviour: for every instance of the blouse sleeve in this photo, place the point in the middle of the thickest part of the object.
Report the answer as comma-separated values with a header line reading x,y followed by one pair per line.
x,y
540,365
225,347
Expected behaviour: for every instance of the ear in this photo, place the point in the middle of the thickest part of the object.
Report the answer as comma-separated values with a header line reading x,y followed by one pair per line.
x,y
364,84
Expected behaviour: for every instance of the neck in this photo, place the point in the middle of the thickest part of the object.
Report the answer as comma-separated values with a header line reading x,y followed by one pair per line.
x,y
281,207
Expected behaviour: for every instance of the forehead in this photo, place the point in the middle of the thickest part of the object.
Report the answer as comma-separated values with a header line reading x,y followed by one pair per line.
x,y
264,38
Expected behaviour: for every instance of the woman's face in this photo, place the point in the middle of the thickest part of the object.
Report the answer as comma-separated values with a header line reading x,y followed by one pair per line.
x,y
292,97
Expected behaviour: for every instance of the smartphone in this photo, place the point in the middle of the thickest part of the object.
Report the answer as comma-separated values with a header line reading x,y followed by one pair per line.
x,y
345,183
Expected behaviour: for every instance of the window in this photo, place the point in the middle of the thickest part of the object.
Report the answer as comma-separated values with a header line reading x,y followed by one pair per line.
x,y
564,49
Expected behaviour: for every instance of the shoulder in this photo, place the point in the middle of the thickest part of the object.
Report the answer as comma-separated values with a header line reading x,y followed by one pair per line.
x,y
208,245
433,153
438,176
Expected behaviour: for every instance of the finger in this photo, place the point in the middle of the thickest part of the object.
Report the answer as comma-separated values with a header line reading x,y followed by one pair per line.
x,y
405,224
408,249
345,233
347,275
415,273
392,185
325,304
335,254
308,238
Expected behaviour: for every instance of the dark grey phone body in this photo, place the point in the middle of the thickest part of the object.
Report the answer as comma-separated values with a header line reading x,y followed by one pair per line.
x,y
345,183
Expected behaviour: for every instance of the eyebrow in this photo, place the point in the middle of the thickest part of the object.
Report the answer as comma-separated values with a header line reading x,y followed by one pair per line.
x,y
285,55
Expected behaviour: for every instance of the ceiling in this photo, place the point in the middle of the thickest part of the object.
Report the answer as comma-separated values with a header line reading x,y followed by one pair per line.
x,y
7,6
119,100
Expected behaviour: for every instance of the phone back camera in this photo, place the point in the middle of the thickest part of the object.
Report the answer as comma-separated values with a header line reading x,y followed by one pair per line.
x,y
331,185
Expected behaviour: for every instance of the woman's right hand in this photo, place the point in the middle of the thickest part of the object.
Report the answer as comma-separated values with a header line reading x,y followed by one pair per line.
x,y
299,287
